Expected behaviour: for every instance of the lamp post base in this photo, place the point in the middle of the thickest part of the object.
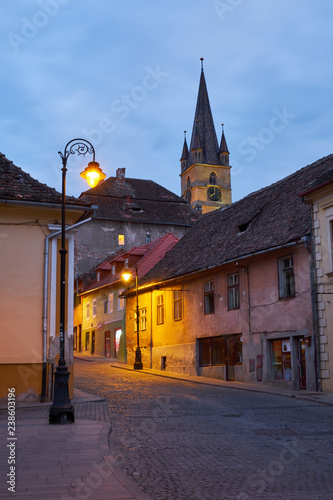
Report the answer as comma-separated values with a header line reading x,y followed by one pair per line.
x,y
138,363
61,411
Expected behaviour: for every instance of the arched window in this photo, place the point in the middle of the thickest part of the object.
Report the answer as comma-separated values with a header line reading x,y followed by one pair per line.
x,y
212,178
188,182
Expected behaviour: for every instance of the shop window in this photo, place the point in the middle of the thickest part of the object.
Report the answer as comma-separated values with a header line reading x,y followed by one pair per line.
x,y
286,277
177,305
216,351
233,291
160,309
209,297
281,359
94,308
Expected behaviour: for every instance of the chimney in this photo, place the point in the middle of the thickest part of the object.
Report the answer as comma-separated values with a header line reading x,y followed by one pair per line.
x,y
120,176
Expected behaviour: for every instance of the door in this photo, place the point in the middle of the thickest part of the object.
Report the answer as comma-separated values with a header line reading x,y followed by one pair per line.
x,y
93,342
80,339
107,344
301,363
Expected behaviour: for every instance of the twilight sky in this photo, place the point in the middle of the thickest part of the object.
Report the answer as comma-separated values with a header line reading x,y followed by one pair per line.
x,y
125,75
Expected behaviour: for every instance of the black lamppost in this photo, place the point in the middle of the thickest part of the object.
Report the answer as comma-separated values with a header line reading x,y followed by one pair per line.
x,y
62,411
138,361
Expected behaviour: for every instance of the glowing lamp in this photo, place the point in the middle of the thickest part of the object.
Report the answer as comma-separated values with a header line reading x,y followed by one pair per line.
x,y
93,174
126,276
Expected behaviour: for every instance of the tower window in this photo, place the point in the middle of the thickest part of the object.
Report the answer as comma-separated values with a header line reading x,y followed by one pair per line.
x,y
188,182
212,178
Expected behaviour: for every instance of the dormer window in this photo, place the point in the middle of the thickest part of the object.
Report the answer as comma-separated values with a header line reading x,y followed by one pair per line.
x,y
148,237
98,277
113,269
126,263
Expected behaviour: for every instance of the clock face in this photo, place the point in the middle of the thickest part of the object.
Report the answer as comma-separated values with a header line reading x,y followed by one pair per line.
x,y
214,193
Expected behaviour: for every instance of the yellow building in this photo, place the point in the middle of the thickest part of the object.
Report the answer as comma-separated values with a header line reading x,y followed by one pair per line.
x,y
205,169
320,196
30,216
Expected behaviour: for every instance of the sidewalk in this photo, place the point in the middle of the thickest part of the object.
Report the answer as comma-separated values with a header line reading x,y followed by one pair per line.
x,y
318,397
62,462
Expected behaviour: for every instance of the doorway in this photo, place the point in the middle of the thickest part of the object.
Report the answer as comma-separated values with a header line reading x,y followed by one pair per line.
x,y
93,342
107,341
301,363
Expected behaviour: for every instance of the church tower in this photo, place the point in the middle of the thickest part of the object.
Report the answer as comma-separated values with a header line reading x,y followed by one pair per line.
x,y
205,169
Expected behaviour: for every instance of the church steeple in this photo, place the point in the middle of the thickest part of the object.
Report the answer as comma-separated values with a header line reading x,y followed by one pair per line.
x,y
203,132
205,170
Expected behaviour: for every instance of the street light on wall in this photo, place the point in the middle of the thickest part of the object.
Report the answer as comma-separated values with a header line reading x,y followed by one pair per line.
x,y
62,411
138,360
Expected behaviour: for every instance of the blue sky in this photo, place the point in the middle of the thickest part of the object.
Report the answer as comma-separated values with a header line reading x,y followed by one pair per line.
x,y
125,75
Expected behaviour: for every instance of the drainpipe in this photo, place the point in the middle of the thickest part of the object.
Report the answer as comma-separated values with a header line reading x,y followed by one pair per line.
x,y
314,306
46,298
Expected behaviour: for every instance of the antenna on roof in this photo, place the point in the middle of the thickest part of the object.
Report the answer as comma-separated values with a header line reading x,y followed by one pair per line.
x,y
201,59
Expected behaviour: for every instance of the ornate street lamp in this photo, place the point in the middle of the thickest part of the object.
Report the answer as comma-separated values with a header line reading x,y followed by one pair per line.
x,y
62,411
138,362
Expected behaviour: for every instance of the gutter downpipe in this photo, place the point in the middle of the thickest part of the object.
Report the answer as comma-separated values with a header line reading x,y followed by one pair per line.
x,y
46,298
314,306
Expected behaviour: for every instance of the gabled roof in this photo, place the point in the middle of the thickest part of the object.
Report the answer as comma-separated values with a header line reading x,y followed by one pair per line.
x,y
139,200
145,258
263,220
17,185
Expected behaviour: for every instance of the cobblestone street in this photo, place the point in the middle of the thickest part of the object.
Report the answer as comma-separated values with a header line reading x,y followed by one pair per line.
x,y
183,441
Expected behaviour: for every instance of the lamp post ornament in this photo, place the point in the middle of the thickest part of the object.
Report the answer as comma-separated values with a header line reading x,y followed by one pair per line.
x,y
62,411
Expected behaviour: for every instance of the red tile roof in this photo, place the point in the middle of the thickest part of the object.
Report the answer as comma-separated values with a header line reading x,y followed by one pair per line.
x,y
145,257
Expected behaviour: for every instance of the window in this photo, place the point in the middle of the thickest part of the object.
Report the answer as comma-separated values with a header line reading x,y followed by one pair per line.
x,y
87,341
217,351
113,269
88,310
212,178
111,297
121,301
209,297
160,309
188,182
281,359
233,291
121,239
126,263
177,305
98,276
286,277
94,308
142,319
105,304
148,237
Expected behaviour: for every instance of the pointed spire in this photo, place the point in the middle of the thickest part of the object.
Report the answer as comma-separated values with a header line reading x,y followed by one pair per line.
x,y
203,133
223,145
185,149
